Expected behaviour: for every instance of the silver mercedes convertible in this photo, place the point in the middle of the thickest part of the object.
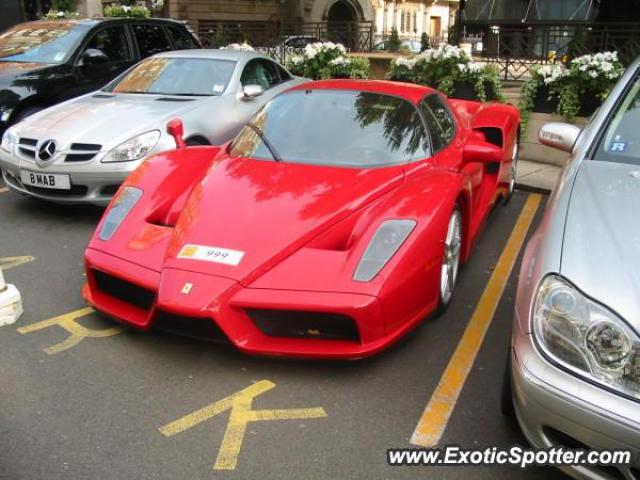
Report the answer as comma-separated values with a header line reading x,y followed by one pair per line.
x,y
574,367
80,151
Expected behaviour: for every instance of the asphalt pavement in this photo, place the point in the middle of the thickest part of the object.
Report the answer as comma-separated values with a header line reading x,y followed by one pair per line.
x,y
150,405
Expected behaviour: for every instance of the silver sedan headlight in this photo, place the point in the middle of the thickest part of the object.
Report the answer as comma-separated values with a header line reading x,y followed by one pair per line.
x,y
9,140
135,148
384,244
585,337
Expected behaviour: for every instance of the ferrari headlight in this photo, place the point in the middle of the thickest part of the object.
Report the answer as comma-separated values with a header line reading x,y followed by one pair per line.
x,y
126,199
134,149
586,337
384,244
9,140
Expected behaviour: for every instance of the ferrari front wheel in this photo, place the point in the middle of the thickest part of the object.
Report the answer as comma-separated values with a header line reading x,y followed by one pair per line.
x,y
450,259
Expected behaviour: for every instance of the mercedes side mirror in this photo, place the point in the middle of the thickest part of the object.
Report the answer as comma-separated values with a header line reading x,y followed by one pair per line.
x,y
559,135
93,55
251,91
176,130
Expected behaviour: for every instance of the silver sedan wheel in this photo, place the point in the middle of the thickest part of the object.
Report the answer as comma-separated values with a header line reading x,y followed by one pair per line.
x,y
451,257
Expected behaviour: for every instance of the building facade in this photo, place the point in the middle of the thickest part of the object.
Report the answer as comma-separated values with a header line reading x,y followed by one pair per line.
x,y
413,17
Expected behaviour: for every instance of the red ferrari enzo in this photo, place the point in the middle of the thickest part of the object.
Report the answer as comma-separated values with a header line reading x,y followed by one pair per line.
x,y
333,224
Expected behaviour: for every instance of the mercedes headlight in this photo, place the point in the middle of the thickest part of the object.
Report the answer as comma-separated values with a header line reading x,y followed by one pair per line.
x,y
384,244
134,149
586,337
125,200
9,140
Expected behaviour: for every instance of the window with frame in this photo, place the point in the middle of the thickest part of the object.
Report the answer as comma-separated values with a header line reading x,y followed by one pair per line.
x,y
182,39
260,72
112,41
151,39
439,119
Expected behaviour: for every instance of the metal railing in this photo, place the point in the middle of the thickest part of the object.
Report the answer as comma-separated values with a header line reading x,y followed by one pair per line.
x,y
516,49
282,39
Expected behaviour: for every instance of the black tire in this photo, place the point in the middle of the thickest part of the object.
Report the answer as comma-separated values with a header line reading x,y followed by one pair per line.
x,y
506,397
196,142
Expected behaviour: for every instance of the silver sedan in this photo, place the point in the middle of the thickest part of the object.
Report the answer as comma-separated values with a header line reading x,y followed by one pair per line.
x,y
574,368
80,151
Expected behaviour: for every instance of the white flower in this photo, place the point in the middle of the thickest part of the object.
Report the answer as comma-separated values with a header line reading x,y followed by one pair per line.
x,y
243,47
296,59
406,62
340,61
313,49
60,13
126,8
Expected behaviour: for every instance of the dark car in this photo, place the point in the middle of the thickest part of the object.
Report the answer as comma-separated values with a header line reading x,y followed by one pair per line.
x,y
46,62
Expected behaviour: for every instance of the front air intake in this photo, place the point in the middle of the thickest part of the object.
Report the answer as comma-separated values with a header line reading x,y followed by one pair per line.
x,y
300,324
124,291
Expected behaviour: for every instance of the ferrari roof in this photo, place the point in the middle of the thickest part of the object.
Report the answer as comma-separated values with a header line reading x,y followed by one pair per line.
x,y
410,91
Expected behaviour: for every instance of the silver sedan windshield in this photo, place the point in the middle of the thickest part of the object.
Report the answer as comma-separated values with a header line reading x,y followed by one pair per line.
x,y
176,76
621,142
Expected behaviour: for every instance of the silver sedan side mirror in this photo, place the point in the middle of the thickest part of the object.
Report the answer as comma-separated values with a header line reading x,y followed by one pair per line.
x,y
558,135
251,91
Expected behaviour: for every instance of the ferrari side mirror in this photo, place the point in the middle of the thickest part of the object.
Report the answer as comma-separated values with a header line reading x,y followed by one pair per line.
x,y
176,130
476,150
559,135
251,91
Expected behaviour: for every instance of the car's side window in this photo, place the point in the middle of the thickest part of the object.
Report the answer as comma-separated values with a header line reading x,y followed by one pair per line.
x,y
434,104
437,137
151,39
439,121
284,75
182,39
112,41
260,72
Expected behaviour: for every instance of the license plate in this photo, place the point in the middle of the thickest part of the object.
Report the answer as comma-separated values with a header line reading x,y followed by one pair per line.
x,y
54,181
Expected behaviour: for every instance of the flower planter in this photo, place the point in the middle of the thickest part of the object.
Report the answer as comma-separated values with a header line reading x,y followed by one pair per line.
x,y
589,103
542,103
467,91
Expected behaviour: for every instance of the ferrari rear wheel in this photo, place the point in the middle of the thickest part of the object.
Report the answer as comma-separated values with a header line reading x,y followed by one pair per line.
x,y
514,164
450,259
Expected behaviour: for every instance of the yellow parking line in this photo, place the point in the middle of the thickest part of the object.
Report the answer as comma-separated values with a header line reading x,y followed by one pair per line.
x,y
436,415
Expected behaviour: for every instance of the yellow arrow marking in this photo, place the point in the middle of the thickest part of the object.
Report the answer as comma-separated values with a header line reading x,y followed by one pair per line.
x,y
10,262
241,414
77,332
435,417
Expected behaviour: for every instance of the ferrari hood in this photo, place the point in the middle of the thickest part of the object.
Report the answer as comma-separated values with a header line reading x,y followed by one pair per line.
x,y
104,118
601,247
261,211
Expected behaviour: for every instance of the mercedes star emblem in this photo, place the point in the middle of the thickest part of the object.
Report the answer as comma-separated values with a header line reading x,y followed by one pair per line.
x,y
46,150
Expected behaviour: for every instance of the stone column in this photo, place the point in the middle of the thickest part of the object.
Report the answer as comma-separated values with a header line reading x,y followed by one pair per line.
x,y
390,16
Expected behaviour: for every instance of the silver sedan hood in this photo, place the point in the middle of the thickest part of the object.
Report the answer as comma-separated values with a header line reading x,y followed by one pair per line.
x,y
601,248
106,119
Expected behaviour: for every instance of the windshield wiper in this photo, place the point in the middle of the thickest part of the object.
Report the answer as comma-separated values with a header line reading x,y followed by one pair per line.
x,y
274,152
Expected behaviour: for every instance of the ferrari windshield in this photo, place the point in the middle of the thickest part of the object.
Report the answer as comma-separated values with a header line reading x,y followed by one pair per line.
x,y
339,128
621,141
41,42
176,76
